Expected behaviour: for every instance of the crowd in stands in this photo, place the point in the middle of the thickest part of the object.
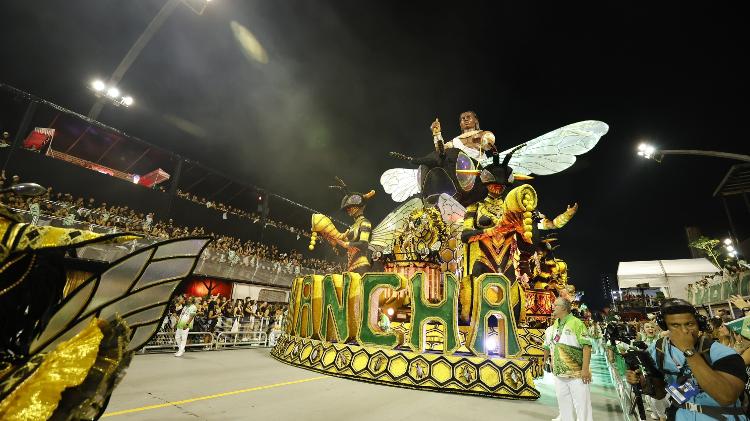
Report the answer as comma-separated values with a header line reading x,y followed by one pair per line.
x,y
86,213
218,313
240,213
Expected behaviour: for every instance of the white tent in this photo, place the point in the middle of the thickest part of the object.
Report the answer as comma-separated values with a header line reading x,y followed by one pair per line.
x,y
674,275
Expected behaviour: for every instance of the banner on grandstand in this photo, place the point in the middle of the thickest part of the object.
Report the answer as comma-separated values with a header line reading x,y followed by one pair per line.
x,y
38,138
720,291
204,286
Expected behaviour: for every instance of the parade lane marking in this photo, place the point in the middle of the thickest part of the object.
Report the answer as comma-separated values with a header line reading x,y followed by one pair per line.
x,y
202,398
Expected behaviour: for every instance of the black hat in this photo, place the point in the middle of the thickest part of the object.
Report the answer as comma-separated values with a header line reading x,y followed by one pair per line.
x,y
351,198
499,172
676,306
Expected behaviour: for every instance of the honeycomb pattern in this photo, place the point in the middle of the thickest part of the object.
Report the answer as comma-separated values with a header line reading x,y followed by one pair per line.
x,y
497,377
530,340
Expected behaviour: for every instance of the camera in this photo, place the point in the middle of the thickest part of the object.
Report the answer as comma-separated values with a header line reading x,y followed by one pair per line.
x,y
619,332
638,358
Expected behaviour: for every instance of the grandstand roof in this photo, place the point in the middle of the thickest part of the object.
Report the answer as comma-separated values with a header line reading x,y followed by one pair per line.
x,y
673,274
737,181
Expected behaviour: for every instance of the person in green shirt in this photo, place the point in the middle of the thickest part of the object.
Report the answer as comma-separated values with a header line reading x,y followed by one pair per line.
x,y
570,348
185,323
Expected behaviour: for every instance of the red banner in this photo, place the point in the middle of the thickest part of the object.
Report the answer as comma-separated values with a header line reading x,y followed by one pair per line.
x,y
39,137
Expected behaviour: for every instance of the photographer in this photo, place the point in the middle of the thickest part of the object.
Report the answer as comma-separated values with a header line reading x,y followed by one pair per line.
x,y
704,379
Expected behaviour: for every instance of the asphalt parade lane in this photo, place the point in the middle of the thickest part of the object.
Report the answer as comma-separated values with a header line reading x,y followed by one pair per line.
x,y
249,383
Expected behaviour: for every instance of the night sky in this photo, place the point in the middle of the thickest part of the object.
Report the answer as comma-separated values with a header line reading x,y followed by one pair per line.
x,y
348,81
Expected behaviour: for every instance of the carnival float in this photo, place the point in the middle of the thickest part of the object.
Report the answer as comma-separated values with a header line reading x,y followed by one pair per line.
x,y
452,290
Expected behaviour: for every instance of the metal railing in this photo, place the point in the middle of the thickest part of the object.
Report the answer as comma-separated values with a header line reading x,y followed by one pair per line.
x,y
240,339
166,340
624,390
208,341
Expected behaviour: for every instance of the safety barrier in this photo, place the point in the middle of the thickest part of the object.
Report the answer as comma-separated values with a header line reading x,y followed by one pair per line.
x,y
240,339
624,390
207,341
166,340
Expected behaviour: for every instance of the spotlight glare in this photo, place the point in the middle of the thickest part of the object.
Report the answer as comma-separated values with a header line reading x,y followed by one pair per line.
x,y
390,312
98,85
728,241
646,150
127,101
730,249
113,92
490,345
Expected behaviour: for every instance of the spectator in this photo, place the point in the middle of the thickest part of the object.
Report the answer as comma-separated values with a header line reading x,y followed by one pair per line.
x,y
212,316
725,316
5,140
721,333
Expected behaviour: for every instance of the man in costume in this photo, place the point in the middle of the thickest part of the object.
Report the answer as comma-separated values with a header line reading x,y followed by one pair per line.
x,y
357,238
473,141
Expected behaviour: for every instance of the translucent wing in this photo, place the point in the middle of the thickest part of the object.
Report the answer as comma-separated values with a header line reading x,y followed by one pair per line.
x,y
137,288
400,183
555,151
452,211
387,230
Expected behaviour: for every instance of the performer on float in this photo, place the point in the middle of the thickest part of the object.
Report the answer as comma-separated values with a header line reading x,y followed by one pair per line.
x,y
559,221
473,141
492,228
357,238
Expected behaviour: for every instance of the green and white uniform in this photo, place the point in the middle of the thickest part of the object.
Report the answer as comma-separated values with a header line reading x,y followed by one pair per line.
x,y
569,336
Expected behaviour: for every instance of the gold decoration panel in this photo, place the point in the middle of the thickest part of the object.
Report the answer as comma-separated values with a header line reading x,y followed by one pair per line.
x,y
470,375
530,340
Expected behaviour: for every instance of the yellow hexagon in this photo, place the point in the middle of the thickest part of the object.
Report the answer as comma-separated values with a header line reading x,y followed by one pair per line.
x,y
465,373
398,365
306,352
513,377
489,375
378,363
343,357
360,361
419,369
329,356
315,354
441,371
290,348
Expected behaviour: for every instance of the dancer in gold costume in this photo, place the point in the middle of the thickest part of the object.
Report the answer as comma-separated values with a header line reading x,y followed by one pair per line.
x,y
496,231
357,238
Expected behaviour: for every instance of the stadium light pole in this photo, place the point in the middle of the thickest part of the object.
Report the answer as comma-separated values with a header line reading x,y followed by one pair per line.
x,y
648,151
135,50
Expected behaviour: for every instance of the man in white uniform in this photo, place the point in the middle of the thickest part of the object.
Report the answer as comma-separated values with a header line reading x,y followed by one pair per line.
x,y
185,323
